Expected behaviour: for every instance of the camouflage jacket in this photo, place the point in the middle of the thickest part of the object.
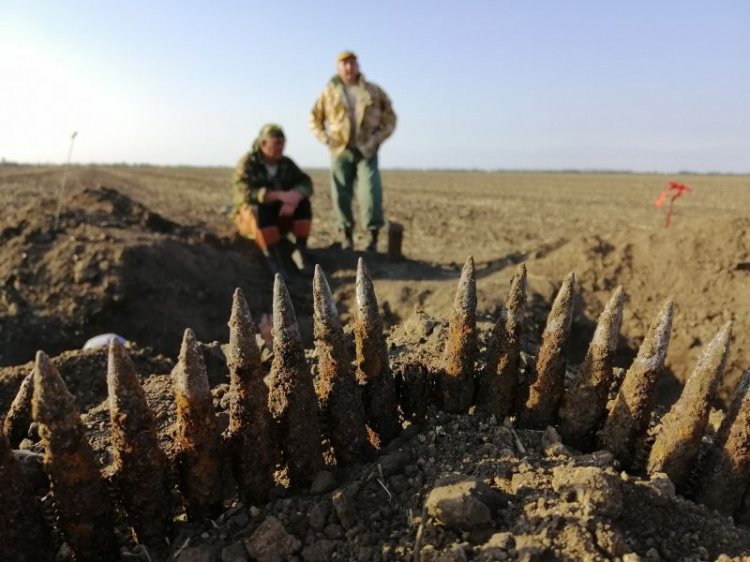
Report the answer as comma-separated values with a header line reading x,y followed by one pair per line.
x,y
375,117
251,181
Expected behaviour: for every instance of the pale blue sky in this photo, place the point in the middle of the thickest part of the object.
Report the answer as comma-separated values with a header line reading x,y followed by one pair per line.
x,y
646,85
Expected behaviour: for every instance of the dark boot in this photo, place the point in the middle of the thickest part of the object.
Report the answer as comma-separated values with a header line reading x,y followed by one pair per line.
x,y
348,241
373,245
276,263
301,258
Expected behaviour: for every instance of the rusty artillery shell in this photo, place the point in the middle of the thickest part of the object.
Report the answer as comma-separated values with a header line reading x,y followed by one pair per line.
x,y
456,382
86,514
26,537
628,418
726,471
11,504
678,437
197,443
414,389
249,437
585,403
545,393
738,446
18,419
343,413
291,398
373,369
395,240
498,381
140,465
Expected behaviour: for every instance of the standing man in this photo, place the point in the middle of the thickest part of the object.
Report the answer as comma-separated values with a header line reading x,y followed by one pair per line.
x,y
353,117
272,198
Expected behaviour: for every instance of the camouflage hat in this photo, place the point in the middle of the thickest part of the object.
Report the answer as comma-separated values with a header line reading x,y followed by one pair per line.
x,y
271,130
268,131
343,55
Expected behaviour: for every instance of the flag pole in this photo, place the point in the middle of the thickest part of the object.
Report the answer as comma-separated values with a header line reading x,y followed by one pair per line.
x,y
64,178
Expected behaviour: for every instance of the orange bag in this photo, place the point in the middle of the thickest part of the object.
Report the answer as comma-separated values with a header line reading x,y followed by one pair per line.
x,y
246,221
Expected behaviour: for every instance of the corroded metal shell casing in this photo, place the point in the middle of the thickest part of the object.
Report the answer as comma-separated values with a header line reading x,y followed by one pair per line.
x,y
373,369
86,514
13,527
291,399
249,439
26,536
545,393
726,471
18,418
499,380
628,417
585,403
456,381
140,465
197,443
343,412
679,435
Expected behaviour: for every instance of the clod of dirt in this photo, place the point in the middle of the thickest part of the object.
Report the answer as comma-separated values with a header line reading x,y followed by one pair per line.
x,y
597,490
271,542
463,503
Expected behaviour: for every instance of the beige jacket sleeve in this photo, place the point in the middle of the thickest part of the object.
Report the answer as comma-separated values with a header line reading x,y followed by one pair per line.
x,y
385,126
318,120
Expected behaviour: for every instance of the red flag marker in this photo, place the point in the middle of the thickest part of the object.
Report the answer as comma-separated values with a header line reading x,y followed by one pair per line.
x,y
679,190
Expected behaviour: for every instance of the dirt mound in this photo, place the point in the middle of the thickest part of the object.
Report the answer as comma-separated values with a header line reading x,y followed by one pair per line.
x,y
696,263
114,266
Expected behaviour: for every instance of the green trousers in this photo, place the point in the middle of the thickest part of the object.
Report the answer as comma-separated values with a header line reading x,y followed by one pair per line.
x,y
352,175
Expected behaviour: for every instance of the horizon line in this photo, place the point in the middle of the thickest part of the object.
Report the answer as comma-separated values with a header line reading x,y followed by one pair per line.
x,y
438,169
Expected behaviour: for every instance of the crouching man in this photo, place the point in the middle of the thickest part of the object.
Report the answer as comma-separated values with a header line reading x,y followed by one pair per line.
x,y
272,198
